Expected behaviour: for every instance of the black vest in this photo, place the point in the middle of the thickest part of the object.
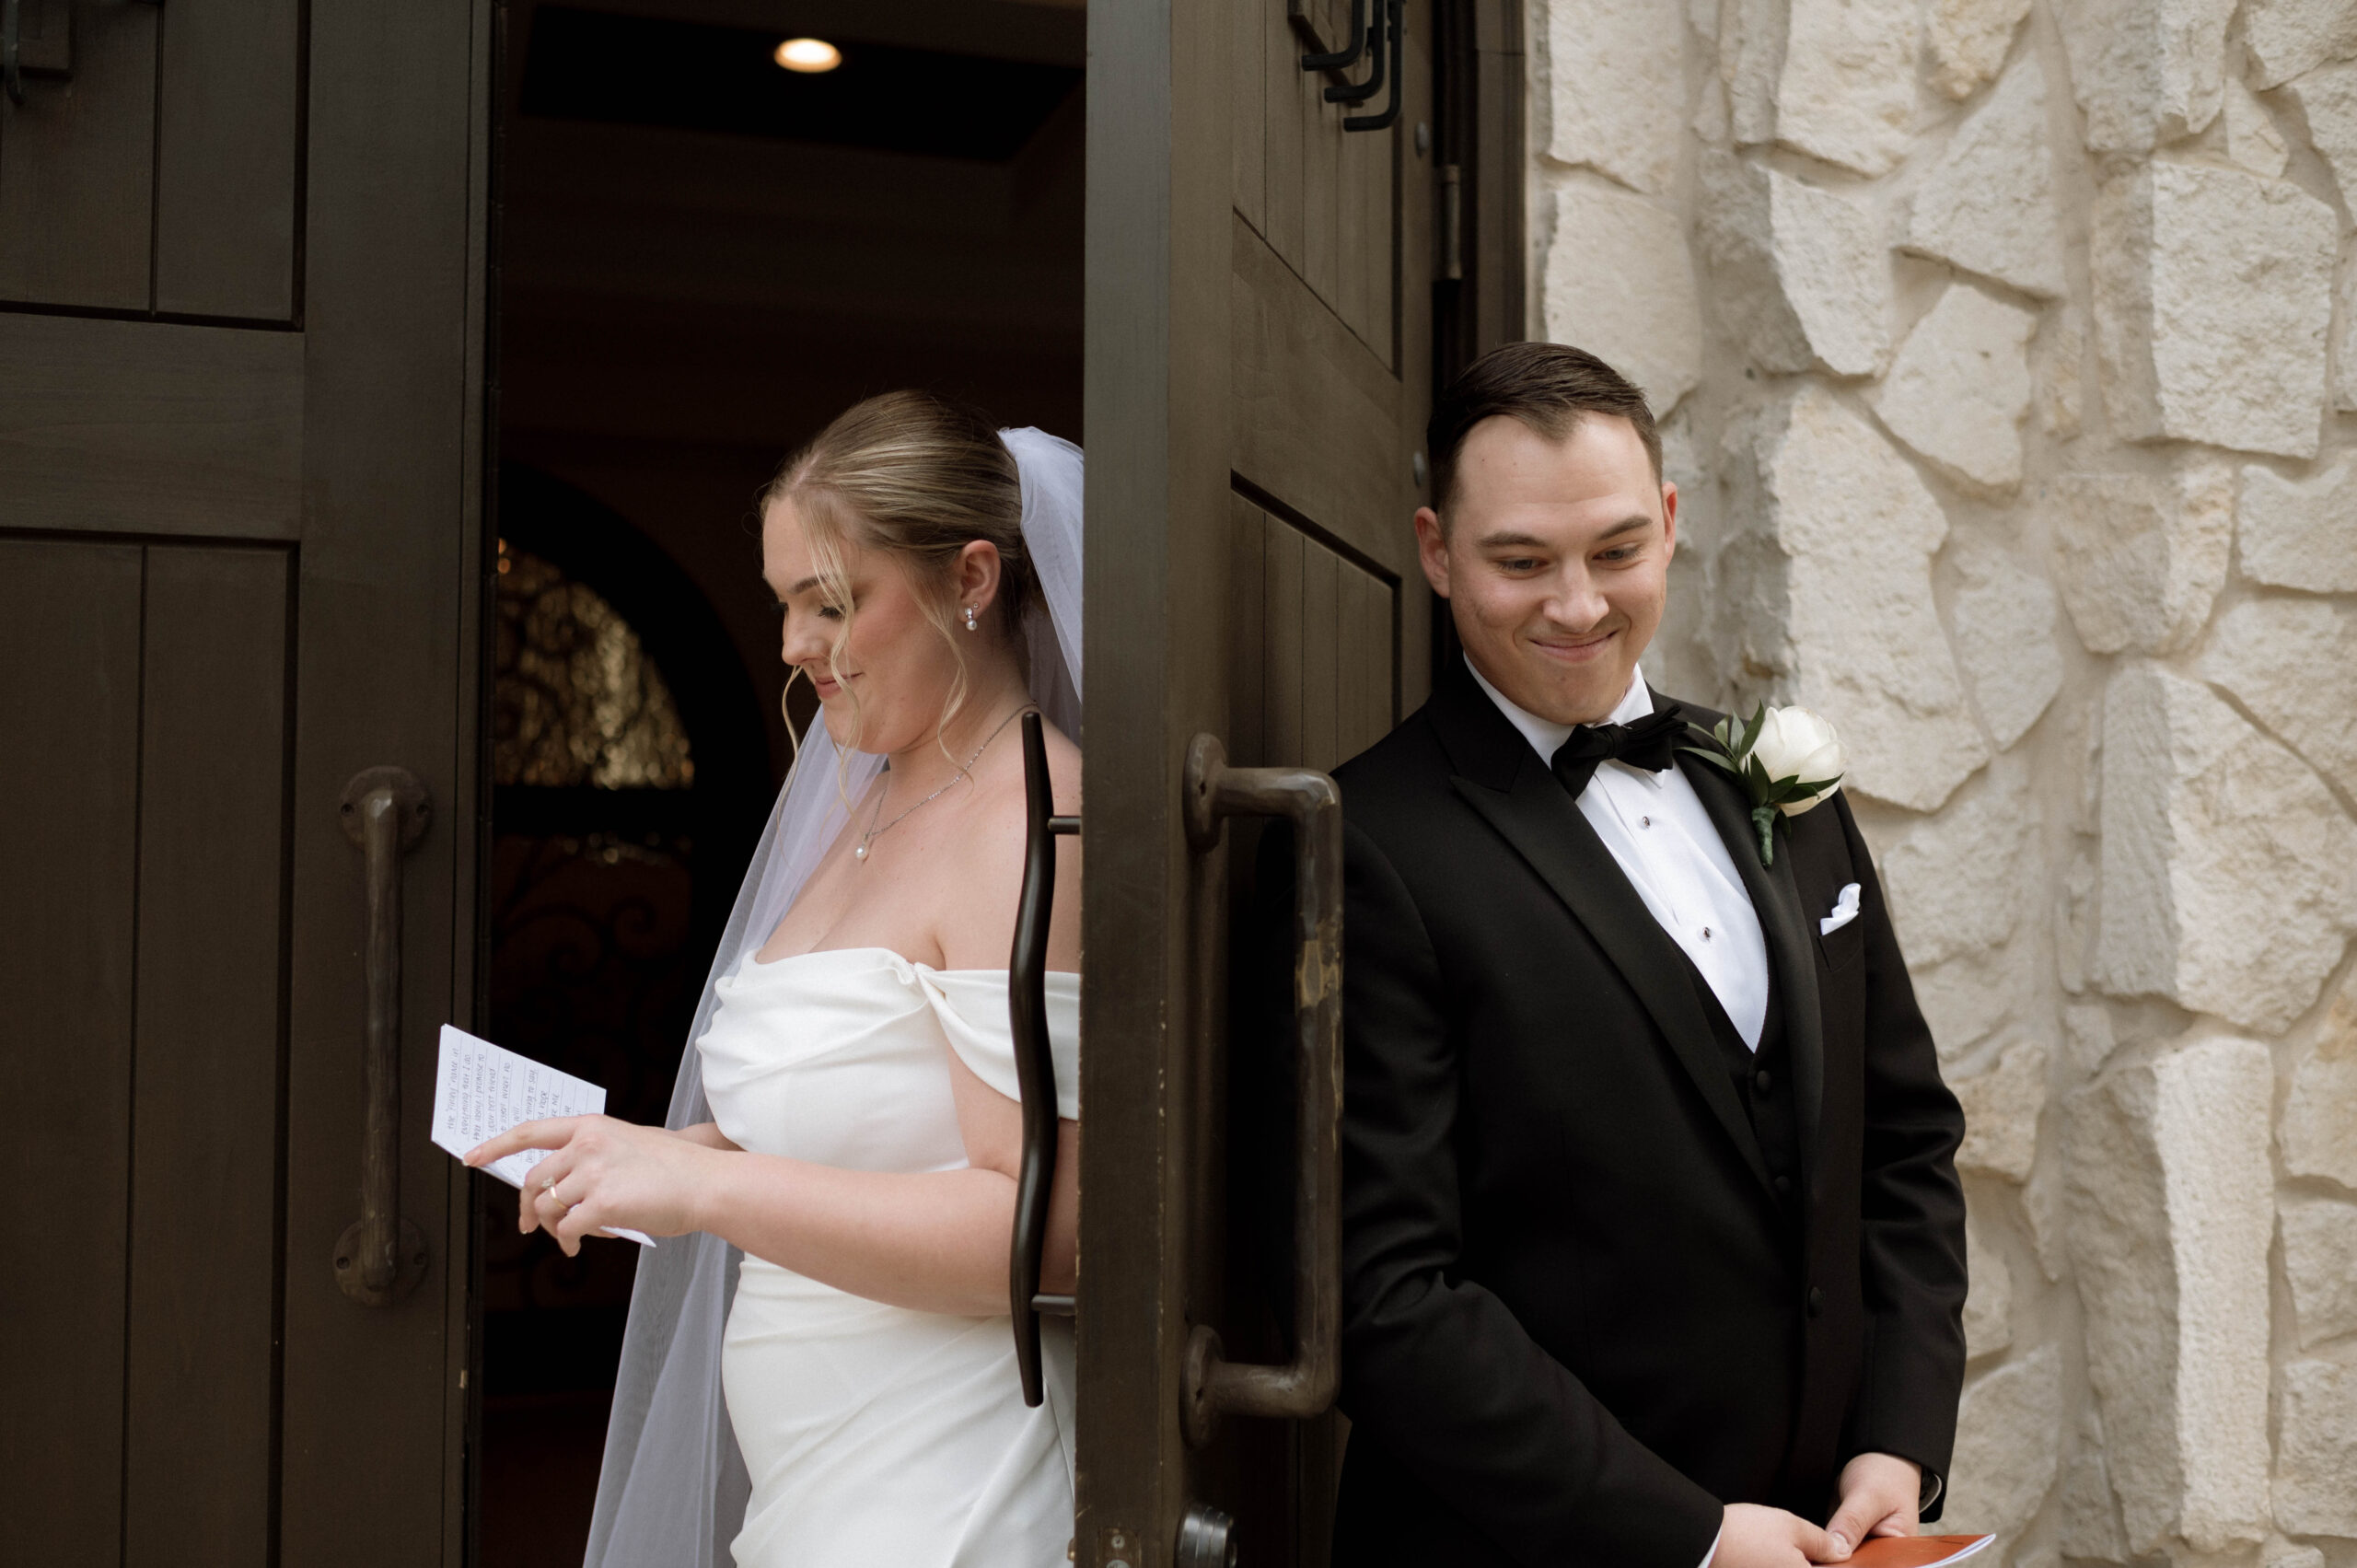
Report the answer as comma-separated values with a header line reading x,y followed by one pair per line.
x,y
1763,1082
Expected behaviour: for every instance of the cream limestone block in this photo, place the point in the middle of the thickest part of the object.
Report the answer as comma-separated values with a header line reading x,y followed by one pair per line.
x,y
2087,1033
2320,1131
2299,533
2003,617
1959,388
2145,71
2316,1466
1621,284
1988,1306
2229,871
2281,1554
2171,1194
2344,347
2090,1522
1799,273
2008,1446
1847,90
2000,1111
2289,37
2328,99
2059,394
1988,204
2212,296
1752,56
2320,1259
2292,663
2142,558
1967,41
2252,139
1954,880
1960,1005
1828,593
1617,92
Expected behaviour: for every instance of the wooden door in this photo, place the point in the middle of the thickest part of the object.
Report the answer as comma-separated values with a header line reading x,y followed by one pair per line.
x,y
240,557
1260,360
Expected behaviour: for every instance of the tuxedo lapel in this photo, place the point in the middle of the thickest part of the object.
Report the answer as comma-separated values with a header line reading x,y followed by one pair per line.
x,y
1775,897
1506,781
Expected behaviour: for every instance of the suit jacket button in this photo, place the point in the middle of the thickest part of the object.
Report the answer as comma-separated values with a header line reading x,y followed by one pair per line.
x,y
1815,1300
1783,1187
1761,1080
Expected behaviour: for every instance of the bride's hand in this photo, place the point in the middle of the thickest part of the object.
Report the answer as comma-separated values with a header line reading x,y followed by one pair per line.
x,y
604,1174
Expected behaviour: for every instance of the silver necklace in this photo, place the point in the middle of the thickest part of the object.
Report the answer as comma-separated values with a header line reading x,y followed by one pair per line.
x,y
875,832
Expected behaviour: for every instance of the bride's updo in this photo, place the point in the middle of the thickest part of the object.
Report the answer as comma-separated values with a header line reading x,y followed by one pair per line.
x,y
919,477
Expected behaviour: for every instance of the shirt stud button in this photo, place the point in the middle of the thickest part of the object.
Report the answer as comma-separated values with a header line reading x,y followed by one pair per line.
x,y
1644,821
1706,934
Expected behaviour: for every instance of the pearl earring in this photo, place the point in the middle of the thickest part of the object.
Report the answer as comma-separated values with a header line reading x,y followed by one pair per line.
x,y
970,627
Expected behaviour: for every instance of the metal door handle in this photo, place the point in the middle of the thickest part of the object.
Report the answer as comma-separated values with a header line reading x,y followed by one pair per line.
x,y
1395,27
1324,59
1359,92
381,1257
1034,1060
1304,1387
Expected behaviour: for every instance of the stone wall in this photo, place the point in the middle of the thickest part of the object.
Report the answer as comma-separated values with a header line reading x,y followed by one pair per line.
x,y
2008,356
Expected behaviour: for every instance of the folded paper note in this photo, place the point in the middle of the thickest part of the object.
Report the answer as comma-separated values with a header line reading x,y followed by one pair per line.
x,y
1916,1551
480,1091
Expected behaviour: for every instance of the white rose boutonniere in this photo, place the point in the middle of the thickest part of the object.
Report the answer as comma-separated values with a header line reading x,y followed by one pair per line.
x,y
1787,759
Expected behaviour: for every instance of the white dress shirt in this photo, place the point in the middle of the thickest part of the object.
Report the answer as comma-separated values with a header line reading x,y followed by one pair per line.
x,y
1671,851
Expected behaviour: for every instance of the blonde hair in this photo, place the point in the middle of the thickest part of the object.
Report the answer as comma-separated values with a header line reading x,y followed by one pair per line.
x,y
918,478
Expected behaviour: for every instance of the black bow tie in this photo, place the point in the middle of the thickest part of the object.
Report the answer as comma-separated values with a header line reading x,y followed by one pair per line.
x,y
1651,743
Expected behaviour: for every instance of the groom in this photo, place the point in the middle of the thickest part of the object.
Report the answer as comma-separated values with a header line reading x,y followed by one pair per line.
x,y
1653,1242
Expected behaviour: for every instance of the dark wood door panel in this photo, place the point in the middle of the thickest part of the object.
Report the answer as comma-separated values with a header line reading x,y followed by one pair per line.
x,y
77,160
150,427
159,174
200,1414
228,144
1314,648
69,637
1325,201
141,955
1317,415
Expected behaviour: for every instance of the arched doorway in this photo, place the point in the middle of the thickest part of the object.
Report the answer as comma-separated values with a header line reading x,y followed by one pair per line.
x,y
631,769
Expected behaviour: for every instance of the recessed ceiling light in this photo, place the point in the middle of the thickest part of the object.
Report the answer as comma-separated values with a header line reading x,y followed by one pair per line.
x,y
808,55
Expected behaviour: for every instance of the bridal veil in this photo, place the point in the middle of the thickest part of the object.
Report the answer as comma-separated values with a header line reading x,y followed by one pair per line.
x,y
673,1489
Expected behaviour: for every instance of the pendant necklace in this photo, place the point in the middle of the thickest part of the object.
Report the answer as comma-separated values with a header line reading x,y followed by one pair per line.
x,y
859,852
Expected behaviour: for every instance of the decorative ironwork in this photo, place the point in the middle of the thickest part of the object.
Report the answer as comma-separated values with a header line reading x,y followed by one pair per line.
x,y
575,701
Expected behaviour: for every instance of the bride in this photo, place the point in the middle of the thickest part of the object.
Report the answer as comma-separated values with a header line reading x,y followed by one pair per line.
x,y
845,1134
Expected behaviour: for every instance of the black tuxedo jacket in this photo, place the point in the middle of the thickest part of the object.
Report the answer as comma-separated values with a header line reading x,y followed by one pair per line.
x,y
1576,1320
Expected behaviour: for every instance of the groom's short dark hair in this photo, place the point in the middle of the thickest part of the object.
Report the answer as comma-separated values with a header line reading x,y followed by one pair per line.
x,y
1546,385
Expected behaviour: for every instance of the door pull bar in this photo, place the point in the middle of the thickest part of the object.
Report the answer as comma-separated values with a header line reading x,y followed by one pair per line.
x,y
1395,27
1305,1385
1336,60
1359,92
381,1257
1034,1060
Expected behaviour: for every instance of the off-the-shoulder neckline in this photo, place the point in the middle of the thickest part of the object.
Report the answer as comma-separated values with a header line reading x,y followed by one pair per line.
x,y
754,960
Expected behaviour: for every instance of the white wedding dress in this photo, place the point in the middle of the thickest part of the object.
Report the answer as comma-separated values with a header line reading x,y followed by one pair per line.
x,y
878,1435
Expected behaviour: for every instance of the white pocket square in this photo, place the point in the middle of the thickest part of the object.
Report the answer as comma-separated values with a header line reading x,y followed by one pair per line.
x,y
1845,910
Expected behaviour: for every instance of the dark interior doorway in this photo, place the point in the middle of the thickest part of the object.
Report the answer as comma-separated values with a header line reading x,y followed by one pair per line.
x,y
701,258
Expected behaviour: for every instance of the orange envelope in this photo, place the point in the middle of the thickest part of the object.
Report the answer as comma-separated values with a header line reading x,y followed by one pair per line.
x,y
1916,1551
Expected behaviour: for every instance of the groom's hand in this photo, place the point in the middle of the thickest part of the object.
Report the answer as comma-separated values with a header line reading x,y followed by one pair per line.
x,y
1753,1536
1879,1496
